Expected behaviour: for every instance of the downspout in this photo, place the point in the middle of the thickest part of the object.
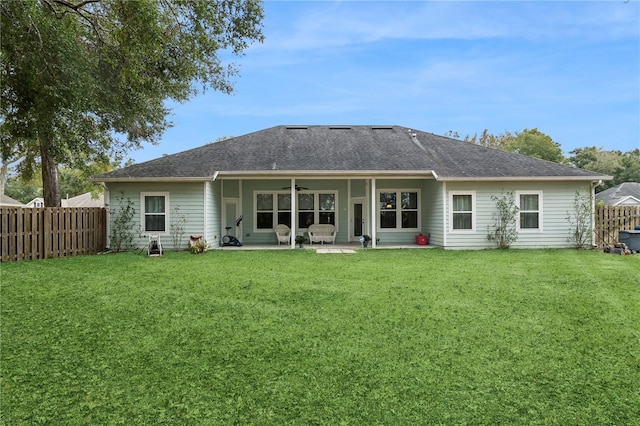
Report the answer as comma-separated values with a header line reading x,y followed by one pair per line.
x,y
206,212
445,214
107,199
594,184
221,198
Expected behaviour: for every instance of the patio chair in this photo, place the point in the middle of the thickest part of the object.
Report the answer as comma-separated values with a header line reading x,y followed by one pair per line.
x,y
283,233
155,246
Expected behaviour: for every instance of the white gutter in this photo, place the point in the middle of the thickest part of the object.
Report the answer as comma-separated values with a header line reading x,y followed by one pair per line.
x,y
324,173
156,179
523,178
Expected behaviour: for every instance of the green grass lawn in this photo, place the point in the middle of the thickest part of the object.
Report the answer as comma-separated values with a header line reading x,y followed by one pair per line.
x,y
547,337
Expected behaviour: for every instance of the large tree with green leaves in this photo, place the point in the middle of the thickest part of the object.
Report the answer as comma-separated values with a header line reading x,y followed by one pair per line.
x,y
84,81
534,143
529,142
623,166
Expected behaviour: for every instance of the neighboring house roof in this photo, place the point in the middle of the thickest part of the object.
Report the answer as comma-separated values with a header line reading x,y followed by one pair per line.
x,y
625,194
36,202
84,200
7,201
289,150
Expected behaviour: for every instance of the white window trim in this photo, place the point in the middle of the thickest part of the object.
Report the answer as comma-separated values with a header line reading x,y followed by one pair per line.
x,y
474,212
275,210
540,215
316,206
167,209
399,209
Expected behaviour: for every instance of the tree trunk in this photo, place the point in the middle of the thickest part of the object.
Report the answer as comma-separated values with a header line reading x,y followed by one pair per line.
x,y
50,183
4,175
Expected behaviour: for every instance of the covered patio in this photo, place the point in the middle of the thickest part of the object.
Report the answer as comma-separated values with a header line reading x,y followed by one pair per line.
x,y
391,208
326,248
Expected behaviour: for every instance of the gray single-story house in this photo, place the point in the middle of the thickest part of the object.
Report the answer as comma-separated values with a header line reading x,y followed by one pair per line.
x,y
625,194
6,201
84,200
389,182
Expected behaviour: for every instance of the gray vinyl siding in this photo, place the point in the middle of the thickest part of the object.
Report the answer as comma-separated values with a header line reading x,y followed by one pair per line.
x,y
359,188
212,213
432,211
557,201
430,208
252,236
401,236
189,197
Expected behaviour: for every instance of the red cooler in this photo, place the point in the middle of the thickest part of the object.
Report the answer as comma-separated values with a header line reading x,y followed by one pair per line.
x,y
422,240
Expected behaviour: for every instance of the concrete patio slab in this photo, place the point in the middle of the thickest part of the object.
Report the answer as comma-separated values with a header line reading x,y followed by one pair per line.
x,y
334,250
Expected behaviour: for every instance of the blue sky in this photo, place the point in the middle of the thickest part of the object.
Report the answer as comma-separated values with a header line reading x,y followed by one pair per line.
x,y
570,69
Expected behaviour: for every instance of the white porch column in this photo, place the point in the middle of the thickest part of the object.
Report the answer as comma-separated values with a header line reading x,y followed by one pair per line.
x,y
222,215
374,224
294,225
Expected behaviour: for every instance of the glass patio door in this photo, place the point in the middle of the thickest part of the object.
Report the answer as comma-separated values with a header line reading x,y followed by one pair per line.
x,y
358,218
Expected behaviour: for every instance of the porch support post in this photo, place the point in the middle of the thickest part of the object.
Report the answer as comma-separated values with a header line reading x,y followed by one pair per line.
x,y
222,213
239,228
374,224
294,225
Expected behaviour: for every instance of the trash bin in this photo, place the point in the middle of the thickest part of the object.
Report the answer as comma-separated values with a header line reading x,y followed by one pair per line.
x,y
631,239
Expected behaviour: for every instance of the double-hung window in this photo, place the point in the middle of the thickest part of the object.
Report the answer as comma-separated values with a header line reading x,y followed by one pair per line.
x,y
316,208
274,208
155,206
283,203
530,210
462,207
399,209
306,210
264,211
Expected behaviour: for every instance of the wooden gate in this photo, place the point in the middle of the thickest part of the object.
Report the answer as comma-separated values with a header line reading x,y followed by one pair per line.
x,y
610,220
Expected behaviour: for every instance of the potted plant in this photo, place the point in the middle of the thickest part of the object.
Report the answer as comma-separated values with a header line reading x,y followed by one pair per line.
x,y
199,246
364,240
300,240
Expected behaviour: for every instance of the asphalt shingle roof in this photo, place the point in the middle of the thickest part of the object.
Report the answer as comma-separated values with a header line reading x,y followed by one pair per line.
x,y
618,193
344,149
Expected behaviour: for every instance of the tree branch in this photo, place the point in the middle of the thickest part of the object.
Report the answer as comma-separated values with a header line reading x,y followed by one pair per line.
x,y
78,9
74,7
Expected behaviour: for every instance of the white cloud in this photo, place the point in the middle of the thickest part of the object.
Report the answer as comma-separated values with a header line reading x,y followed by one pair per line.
x,y
324,25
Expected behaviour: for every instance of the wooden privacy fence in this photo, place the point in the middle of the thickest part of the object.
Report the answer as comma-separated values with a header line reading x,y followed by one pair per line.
x,y
610,220
29,233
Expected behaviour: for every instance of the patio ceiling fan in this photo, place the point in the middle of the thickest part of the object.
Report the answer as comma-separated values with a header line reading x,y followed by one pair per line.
x,y
298,188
